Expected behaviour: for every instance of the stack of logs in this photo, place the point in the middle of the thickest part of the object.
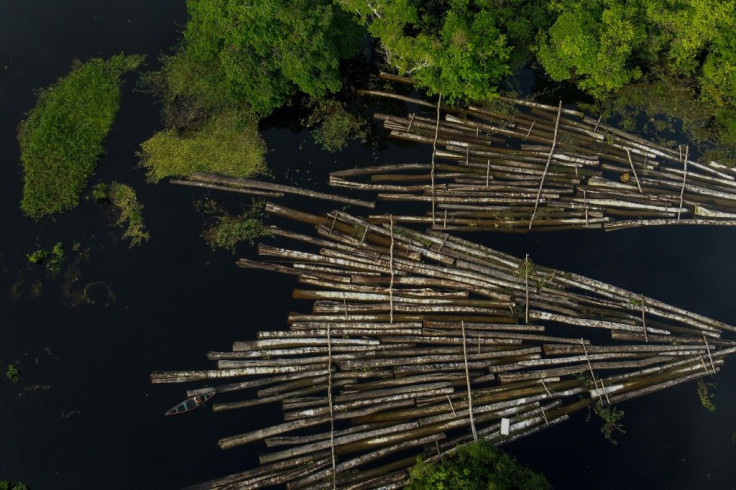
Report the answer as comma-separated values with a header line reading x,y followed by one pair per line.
x,y
419,342
517,166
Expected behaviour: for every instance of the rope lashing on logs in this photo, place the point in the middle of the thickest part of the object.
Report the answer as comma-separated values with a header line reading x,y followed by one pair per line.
x,y
411,121
707,348
597,123
434,152
530,130
590,366
526,284
643,319
451,406
546,166
329,400
585,201
467,380
684,179
488,173
391,266
633,171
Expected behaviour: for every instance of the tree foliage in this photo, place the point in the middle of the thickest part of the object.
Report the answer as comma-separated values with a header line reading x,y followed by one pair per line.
x,y
123,197
475,466
460,48
62,137
257,54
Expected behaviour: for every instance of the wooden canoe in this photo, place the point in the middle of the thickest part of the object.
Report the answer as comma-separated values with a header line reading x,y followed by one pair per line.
x,y
190,403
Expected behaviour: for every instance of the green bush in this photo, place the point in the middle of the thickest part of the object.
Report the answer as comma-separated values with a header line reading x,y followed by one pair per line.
x,y
332,125
124,199
229,144
62,137
475,466
13,373
227,231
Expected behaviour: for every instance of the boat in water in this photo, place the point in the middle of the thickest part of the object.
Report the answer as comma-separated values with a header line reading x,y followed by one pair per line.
x,y
190,403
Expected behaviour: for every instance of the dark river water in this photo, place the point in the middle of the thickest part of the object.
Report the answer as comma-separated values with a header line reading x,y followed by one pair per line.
x,y
84,415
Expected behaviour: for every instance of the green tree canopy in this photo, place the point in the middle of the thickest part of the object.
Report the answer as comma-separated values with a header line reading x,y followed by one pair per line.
x,y
257,54
475,466
461,48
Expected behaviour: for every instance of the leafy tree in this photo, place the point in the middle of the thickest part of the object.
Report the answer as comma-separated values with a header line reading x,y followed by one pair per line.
x,y
592,43
62,137
457,47
257,54
475,466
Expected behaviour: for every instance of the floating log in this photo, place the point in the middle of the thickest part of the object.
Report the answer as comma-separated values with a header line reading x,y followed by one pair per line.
x,y
586,174
412,343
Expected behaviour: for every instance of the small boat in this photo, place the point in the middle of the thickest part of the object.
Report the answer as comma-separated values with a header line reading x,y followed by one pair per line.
x,y
191,403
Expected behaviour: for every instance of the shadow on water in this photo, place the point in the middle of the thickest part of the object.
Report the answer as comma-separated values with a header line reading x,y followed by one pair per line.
x,y
84,415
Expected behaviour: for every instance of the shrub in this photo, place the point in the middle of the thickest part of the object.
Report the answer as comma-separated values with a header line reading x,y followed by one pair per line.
x,y
333,125
62,137
124,199
229,144
13,373
227,231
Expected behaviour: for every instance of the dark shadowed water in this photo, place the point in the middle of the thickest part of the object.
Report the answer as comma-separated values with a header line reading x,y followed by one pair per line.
x,y
84,415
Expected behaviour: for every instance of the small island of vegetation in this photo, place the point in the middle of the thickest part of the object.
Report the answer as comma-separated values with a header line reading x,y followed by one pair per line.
x,y
62,137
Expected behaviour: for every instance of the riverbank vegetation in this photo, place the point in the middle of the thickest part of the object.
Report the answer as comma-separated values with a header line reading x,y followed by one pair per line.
x,y
475,466
62,137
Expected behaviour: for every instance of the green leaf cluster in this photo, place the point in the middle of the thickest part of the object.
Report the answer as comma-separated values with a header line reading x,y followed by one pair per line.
x,y
611,417
460,48
6,485
257,54
62,137
475,466
333,125
604,46
227,230
13,373
228,144
123,197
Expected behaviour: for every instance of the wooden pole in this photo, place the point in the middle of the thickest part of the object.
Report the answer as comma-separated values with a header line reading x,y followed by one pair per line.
x,y
467,381
434,152
546,166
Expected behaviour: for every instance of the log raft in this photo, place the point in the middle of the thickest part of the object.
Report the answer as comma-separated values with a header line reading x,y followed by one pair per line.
x,y
519,166
418,342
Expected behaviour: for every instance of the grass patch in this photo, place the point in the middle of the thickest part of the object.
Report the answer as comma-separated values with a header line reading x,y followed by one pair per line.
x,y
124,199
62,137
228,144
